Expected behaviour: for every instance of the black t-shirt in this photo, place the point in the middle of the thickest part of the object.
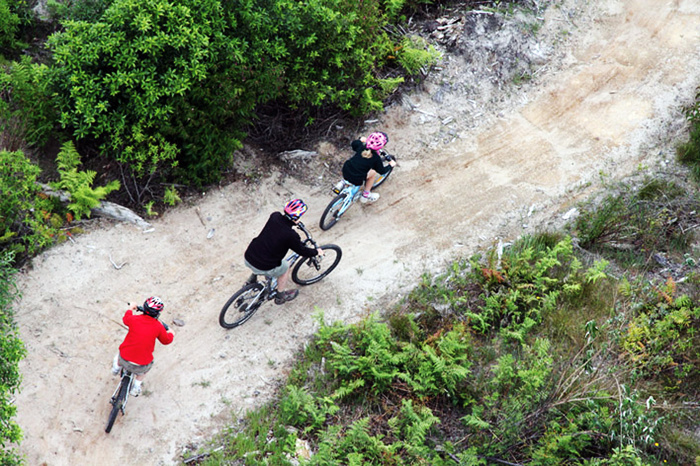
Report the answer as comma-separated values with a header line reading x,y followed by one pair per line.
x,y
356,168
268,249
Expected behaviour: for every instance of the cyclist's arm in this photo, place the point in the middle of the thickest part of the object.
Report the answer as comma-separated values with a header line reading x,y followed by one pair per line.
x,y
298,246
165,337
379,166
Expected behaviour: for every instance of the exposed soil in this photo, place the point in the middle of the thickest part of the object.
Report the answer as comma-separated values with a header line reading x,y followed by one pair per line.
x,y
512,132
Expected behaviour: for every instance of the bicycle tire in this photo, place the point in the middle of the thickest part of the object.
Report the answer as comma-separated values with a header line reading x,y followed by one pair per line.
x,y
381,180
241,306
330,216
117,403
305,273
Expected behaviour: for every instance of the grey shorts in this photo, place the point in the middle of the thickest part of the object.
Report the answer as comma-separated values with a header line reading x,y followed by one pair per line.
x,y
134,368
277,272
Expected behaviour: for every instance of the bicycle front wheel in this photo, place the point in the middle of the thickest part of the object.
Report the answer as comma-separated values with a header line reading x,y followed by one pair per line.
x,y
382,178
332,213
312,269
242,305
117,403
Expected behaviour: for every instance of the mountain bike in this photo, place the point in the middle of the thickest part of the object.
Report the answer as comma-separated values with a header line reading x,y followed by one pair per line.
x,y
119,398
242,305
347,194
121,394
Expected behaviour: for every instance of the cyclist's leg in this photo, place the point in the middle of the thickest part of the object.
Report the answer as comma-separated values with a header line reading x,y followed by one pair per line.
x,y
115,364
371,178
139,372
283,294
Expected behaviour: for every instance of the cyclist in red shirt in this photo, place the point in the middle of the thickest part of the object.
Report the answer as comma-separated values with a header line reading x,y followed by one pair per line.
x,y
136,352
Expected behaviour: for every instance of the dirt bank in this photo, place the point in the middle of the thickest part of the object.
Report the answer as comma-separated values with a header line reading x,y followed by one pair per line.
x,y
480,159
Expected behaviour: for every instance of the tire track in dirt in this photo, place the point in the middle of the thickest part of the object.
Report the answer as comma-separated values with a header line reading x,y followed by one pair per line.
x,y
618,91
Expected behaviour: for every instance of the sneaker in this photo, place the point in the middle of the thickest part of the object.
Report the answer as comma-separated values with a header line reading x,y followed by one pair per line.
x,y
284,296
115,365
369,197
135,388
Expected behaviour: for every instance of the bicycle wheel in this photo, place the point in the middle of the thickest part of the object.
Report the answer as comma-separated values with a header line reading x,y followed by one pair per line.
x,y
242,305
382,178
331,214
310,270
117,403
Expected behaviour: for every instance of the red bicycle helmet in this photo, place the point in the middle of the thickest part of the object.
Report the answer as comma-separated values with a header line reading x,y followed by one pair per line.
x,y
295,209
153,306
376,141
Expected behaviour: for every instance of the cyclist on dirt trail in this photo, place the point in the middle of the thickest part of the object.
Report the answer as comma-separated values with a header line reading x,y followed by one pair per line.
x,y
136,352
366,165
266,252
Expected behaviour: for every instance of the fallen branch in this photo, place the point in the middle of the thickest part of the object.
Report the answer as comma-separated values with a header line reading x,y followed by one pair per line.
x,y
201,456
304,155
115,265
199,214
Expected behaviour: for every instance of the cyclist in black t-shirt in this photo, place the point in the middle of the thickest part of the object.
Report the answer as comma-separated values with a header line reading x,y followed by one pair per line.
x,y
366,164
265,254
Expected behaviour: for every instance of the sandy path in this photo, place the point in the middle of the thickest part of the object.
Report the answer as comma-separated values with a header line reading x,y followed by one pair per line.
x,y
630,65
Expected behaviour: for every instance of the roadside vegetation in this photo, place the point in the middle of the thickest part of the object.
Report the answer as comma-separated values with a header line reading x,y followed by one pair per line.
x,y
545,352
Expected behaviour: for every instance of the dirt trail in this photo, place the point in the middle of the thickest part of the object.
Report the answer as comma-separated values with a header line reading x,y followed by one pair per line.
x,y
601,104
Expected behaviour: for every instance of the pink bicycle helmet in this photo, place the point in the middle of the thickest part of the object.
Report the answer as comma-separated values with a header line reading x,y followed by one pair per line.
x,y
295,209
153,306
376,141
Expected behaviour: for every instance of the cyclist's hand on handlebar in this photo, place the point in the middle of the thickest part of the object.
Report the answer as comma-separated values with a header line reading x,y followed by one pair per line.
x,y
132,306
392,162
320,252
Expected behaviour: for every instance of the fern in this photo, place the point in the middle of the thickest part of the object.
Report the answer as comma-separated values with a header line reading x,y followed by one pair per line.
x,y
78,184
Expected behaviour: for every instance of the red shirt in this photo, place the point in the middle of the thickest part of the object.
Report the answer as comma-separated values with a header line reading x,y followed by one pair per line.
x,y
140,342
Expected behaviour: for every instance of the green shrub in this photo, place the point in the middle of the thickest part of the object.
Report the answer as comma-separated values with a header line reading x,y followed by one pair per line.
x,y
688,152
25,213
133,80
9,25
77,10
13,351
27,114
638,221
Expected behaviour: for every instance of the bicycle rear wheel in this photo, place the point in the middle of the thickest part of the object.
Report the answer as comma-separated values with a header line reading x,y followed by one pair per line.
x,y
331,214
117,403
242,305
310,269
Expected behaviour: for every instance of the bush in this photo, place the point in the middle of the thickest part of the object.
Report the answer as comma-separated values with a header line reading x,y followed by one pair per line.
x,y
9,26
131,79
638,221
13,351
25,214
27,114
